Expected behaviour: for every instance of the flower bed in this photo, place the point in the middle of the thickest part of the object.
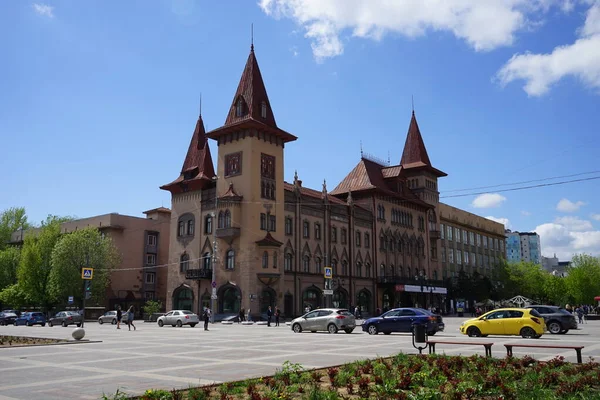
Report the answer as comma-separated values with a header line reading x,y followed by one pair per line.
x,y
19,341
410,377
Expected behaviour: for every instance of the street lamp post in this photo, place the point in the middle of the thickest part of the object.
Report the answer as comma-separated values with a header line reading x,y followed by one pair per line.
x,y
213,296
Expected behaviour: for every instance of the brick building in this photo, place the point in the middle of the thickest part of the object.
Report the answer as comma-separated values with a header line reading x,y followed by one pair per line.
x,y
269,240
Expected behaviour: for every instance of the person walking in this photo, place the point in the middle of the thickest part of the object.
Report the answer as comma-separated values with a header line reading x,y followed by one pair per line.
x,y
119,316
130,314
241,316
269,316
206,316
277,313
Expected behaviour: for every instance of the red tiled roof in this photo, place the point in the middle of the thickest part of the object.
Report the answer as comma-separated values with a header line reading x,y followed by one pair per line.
x,y
415,154
197,169
311,193
251,90
158,209
231,194
391,172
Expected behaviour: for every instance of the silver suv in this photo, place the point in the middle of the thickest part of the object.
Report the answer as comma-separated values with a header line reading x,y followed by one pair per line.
x,y
325,319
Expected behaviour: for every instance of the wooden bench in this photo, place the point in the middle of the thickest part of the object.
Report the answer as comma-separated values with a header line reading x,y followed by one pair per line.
x,y
487,345
577,349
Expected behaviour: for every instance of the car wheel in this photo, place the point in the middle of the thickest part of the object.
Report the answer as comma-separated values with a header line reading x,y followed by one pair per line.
x,y
473,331
563,332
297,328
114,321
313,331
15,324
331,328
160,323
179,324
50,324
372,329
528,333
28,323
100,321
349,330
192,325
64,324
554,327
43,324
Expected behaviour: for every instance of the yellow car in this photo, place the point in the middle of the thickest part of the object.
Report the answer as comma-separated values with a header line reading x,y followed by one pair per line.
x,y
506,321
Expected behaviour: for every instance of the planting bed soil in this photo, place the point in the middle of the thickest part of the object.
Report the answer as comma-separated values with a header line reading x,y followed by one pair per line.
x,y
20,341
410,377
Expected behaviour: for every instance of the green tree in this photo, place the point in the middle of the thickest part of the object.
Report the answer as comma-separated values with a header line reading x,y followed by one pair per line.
x,y
13,296
583,279
527,279
84,248
556,290
35,264
152,307
9,262
12,220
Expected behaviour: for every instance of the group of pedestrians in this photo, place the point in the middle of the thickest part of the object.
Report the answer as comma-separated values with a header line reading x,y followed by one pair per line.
x,y
130,314
270,315
580,311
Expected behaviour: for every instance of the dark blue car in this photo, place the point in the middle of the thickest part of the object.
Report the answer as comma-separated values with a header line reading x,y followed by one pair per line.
x,y
31,318
402,320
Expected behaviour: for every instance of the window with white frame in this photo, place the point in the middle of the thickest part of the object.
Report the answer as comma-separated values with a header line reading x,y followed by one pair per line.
x,y
471,238
442,231
457,235
478,240
151,239
230,259
458,257
443,254
451,256
465,239
150,259
306,264
449,232
150,277
466,256
287,262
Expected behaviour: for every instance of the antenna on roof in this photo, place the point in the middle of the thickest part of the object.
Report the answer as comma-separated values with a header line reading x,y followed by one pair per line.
x,y
388,157
200,111
252,37
361,150
412,100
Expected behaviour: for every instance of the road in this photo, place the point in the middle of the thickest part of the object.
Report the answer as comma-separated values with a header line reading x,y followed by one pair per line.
x,y
153,357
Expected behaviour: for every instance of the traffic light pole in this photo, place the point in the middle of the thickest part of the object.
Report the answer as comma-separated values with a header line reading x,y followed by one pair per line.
x,y
83,305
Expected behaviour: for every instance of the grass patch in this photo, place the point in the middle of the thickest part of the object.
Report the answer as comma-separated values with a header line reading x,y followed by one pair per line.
x,y
20,341
417,377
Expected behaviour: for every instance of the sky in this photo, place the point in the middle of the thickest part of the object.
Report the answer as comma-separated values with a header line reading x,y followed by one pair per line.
x,y
99,99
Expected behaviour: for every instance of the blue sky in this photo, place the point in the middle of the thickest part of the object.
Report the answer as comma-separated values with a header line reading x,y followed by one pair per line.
x,y
100,98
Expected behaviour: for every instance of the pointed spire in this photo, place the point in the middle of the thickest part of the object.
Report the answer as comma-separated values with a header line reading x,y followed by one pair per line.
x,y
295,176
250,100
252,37
198,155
414,147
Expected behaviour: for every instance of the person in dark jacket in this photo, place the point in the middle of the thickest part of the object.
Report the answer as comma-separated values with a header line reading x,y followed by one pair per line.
x,y
119,316
269,316
206,315
277,313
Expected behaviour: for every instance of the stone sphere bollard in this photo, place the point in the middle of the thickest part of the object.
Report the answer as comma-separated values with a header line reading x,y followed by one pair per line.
x,y
78,333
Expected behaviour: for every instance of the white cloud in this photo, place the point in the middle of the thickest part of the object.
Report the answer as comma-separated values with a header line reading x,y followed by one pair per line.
x,y
566,205
44,9
488,200
294,51
525,213
565,242
483,24
503,221
574,223
580,59
596,217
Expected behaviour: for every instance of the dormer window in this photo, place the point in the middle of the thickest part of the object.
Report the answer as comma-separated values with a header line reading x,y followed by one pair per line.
x,y
263,110
239,108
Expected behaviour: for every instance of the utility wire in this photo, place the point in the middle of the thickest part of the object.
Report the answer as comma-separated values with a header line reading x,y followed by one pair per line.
x,y
525,187
522,182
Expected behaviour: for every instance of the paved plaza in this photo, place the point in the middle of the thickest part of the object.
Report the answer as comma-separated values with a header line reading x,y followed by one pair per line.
x,y
167,358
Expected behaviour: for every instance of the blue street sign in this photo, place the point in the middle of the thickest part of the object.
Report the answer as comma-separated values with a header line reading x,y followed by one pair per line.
x,y
71,300
328,272
87,273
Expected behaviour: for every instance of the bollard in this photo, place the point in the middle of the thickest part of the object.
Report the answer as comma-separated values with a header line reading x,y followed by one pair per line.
x,y
419,335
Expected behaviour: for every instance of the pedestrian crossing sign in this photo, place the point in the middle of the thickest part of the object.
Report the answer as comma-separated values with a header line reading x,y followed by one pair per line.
x,y
87,273
328,272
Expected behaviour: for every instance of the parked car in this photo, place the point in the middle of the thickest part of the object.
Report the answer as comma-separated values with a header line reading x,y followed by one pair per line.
x,y
66,318
110,317
325,319
178,318
31,318
16,312
403,320
506,321
7,318
558,320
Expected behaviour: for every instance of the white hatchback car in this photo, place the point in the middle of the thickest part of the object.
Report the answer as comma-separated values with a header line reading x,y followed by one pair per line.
x,y
178,318
325,319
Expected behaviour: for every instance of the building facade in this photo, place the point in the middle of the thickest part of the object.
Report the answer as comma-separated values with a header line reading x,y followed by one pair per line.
x,y
265,242
143,244
523,246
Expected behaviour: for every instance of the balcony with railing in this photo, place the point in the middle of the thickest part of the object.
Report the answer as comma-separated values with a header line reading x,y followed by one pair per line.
x,y
198,273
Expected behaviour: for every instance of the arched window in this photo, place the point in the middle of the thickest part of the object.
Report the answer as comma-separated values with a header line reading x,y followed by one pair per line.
x,y
265,259
368,270
334,267
318,265
263,109
239,108
221,222
208,224
287,262
206,261
344,267
435,275
382,270
399,271
275,259
227,219
358,269
184,262
306,264
230,259
408,272
185,225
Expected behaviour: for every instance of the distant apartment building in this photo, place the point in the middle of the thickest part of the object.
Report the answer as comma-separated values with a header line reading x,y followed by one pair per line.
x,y
555,267
143,244
523,246
469,243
